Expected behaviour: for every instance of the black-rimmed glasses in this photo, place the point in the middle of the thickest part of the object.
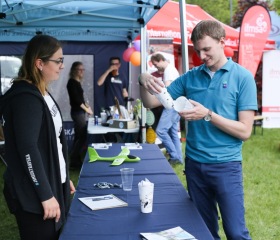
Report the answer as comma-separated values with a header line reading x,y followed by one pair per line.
x,y
57,61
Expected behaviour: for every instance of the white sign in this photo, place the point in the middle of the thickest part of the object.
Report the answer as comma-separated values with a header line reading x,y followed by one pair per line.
x,y
271,89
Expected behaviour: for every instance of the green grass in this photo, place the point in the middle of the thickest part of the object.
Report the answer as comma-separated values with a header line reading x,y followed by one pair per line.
x,y
261,167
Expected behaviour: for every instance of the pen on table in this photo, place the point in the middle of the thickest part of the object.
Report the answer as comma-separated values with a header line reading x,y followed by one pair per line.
x,y
102,198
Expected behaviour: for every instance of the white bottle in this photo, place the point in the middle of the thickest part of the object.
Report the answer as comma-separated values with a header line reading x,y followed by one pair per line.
x,y
103,115
164,96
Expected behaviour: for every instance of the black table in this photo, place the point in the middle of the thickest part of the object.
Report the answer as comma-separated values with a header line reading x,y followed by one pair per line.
x,y
172,206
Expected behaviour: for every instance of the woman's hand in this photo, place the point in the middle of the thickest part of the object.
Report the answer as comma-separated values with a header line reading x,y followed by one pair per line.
x,y
89,110
72,188
86,108
51,209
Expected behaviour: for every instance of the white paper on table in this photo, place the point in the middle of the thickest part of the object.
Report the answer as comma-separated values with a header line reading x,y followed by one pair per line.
x,y
132,146
103,202
176,233
101,145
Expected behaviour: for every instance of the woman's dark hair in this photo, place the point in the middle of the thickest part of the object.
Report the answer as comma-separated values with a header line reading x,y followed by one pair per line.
x,y
73,69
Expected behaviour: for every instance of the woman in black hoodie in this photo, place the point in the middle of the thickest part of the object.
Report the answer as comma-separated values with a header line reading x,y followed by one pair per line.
x,y
37,186
79,109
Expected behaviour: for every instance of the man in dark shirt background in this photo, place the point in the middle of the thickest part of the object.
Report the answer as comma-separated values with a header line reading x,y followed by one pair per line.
x,y
115,84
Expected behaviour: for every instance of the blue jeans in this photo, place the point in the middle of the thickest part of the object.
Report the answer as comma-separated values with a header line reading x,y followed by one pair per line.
x,y
221,184
167,131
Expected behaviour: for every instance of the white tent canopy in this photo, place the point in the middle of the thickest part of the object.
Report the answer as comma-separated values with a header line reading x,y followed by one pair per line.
x,y
97,20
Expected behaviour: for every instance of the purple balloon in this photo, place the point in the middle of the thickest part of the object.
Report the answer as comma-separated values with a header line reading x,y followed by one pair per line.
x,y
136,45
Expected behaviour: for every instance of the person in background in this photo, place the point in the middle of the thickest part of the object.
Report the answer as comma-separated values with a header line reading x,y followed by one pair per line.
x,y
115,85
224,97
167,128
79,109
36,181
157,111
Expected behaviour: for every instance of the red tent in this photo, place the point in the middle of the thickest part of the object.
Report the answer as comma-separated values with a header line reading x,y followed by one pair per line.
x,y
166,24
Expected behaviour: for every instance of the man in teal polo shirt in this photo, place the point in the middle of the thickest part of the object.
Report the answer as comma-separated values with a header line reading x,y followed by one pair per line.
x,y
225,99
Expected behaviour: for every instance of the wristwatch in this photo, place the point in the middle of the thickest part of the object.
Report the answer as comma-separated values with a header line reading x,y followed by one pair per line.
x,y
208,117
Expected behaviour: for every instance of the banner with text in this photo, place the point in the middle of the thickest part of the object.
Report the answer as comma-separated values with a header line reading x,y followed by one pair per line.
x,y
271,89
254,31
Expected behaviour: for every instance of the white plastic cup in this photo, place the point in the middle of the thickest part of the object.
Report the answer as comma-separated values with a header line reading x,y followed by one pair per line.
x,y
182,103
146,195
127,178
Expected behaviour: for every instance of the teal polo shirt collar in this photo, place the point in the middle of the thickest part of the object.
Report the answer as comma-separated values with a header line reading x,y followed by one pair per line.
x,y
225,67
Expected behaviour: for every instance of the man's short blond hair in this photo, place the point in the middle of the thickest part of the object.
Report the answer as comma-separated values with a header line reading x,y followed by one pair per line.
x,y
209,28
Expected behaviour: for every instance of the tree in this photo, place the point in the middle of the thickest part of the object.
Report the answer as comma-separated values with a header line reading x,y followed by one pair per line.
x,y
219,9
244,5
276,5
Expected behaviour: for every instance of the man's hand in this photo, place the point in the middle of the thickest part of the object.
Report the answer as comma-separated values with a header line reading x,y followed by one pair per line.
x,y
196,113
151,83
112,68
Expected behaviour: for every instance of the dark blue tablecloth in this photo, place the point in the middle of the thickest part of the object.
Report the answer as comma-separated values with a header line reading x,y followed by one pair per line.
x,y
172,206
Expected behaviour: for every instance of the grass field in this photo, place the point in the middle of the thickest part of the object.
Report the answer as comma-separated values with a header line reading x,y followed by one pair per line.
x,y
261,167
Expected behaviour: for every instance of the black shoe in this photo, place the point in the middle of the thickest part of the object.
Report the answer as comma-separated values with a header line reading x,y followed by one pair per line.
x,y
175,162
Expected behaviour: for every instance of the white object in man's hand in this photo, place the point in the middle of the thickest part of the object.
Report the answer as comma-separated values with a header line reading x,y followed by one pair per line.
x,y
164,97
182,103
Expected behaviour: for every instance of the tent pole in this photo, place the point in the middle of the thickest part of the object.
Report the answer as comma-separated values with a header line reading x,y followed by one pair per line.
x,y
184,43
129,80
230,9
143,47
184,38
